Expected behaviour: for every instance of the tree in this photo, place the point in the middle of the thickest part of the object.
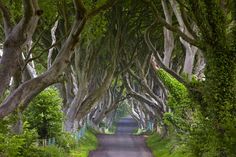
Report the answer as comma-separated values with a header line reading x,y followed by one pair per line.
x,y
45,114
27,90
184,36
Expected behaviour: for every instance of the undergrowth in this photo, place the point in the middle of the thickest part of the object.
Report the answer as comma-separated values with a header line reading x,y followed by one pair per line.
x,y
166,147
86,144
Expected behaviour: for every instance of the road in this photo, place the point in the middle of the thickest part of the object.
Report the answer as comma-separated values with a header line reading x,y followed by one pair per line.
x,y
123,143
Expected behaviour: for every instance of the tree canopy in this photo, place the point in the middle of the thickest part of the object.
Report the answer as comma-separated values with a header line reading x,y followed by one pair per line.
x,y
172,61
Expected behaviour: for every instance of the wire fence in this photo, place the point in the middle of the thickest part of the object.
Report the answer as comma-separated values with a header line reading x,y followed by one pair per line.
x,y
46,142
150,125
79,134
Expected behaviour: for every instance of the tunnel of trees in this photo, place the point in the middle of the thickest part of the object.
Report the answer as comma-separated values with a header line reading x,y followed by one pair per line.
x,y
171,63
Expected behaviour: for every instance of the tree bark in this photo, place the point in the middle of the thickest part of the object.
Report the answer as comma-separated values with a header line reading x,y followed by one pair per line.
x,y
168,36
25,92
16,38
190,50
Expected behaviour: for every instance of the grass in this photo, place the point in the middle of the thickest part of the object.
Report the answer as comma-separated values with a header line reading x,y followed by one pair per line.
x,y
110,131
88,143
165,147
138,131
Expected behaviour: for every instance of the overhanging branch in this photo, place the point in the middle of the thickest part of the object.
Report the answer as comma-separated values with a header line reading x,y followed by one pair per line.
x,y
172,28
105,6
6,18
158,57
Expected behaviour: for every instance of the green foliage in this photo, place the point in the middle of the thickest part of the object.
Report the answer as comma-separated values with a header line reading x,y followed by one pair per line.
x,y
66,141
168,147
122,110
44,113
10,146
50,10
205,140
15,8
88,143
219,103
177,89
51,151
97,26
111,130
22,145
15,145
141,132
217,108
26,144
95,29
5,124
178,100
207,128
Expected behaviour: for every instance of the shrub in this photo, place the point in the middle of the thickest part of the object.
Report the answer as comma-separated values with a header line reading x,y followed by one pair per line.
x,y
66,141
18,145
52,151
44,113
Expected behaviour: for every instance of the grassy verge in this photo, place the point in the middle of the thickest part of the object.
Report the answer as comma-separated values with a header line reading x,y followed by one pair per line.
x,y
88,143
139,132
110,131
165,147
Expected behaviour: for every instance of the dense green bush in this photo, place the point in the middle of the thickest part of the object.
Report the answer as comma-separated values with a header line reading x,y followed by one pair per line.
x,y
168,147
24,144
43,119
179,101
12,145
86,144
198,123
66,141
44,113
51,151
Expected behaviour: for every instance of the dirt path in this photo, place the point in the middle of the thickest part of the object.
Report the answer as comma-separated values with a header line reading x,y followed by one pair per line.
x,y
122,144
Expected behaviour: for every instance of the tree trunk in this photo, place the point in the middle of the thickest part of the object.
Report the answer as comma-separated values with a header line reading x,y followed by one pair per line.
x,y
164,131
28,90
168,36
94,97
189,58
17,128
16,38
190,50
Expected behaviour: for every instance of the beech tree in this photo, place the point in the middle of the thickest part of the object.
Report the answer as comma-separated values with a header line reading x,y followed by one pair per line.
x,y
215,95
26,91
173,60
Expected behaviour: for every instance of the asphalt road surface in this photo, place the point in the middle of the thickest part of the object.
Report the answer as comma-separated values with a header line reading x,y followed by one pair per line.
x,y
123,143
